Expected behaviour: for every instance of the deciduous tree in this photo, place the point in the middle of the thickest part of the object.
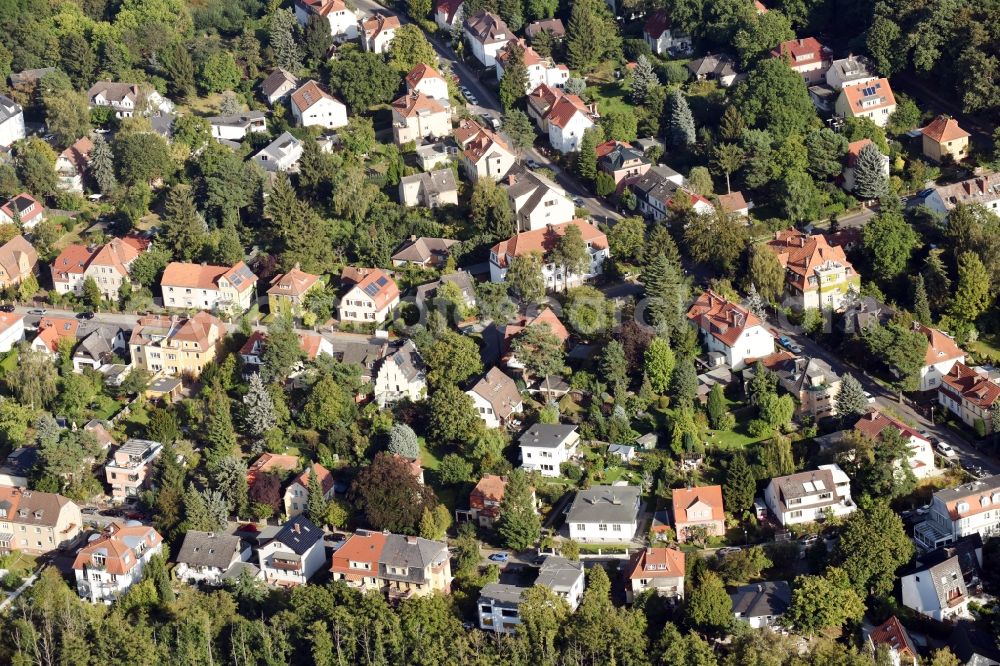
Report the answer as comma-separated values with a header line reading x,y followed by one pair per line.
x,y
390,496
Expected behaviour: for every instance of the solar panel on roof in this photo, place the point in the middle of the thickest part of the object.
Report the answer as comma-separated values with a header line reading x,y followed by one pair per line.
x,y
371,289
382,281
867,92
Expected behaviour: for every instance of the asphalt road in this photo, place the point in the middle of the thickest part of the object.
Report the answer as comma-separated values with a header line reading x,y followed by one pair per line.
x,y
488,104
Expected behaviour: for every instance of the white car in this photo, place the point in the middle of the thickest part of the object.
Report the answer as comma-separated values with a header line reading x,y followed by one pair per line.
x,y
944,448
870,398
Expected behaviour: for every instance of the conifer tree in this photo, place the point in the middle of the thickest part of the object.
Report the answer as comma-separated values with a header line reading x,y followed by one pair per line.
x,y
514,83
183,229
281,33
740,486
102,165
680,123
921,305
851,399
219,433
520,525
317,504
644,80
586,159
870,181
258,408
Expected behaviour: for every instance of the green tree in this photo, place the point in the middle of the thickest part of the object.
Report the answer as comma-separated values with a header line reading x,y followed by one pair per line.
x,y
620,124
716,406
512,12
680,122
179,69
870,181
32,380
760,33
281,34
525,277
659,364
35,163
142,158
644,81
775,97
514,83
627,239
921,304
363,79
826,152
454,469
219,433
453,416
740,486
543,616
666,295
586,159
183,230
728,158
67,114
418,8
591,35
316,506
766,273
777,411
540,350
92,296
851,399
219,72
732,125
571,253
317,38
403,441
824,602
872,546
884,46
452,359
410,48
519,524
230,479
102,165
614,368
281,352
972,294
519,129
390,496
709,607
490,211
717,239
889,242
685,382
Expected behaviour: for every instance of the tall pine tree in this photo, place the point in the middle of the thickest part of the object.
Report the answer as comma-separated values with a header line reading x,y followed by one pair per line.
x,y
680,123
281,33
921,305
586,159
870,180
519,526
102,165
219,433
514,84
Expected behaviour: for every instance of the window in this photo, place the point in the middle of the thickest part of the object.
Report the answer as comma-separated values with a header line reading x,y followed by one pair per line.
x,y
601,527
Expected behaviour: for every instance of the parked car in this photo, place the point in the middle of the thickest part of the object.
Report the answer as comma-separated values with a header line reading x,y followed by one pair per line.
x,y
870,398
39,312
533,164
88,315
6,307
794,348
784,340
809,540
728,550
499,557
538,561
944,448
579,202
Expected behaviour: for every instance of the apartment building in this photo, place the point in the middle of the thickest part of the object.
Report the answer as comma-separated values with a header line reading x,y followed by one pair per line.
x,y
544,241
808,496
113,561
544,447
602,514
36,523
397,565
108,265
817,274
731,329
131,467
175,345
499,603
205,287
971,508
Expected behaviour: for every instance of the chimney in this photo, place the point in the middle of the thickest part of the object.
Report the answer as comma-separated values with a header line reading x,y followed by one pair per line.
x,y
411,539
297,528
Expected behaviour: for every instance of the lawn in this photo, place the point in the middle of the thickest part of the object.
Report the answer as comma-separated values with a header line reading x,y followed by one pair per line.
x,y
609,96
428,459
9,361
614,474
105,408
729,439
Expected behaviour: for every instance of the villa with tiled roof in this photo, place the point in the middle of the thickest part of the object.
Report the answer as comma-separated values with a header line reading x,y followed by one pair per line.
x,y
205,287
817,274
731,329
544,241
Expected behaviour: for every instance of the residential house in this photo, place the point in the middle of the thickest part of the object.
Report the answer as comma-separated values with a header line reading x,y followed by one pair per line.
x,y
72,163
809,379
17,466
969,393
920,459
805,56
544,447
431,156
544,241
11,330
131,467
297,493
205,287
312,106
496,398
539,103
431,189
624,164
601,514
567,121
448,14
655,190
943,138
11,121
100,347
399,566
466,284
942,353
938,590
698,512
624,452
23,210
271,463
541,70
366,353
205,557
343,20
428,81
871,99
125,99
537,202
282,154
278,85
662,38
658,569
484,153
487,35
761,604
424,252
809,496
236,127
484,501
817,274
714,67
499,603
971,508
18,260
974,646
294,554
851,70
371,296
51,331
112,562
892,635
553,26
734,204
983,189
36,523
107,264
546,317
401,376
288,291
176,346
378,31
851,162
864,313
731,329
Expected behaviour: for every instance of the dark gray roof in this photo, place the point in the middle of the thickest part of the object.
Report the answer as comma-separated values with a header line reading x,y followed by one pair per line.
x,y
462,279
275,80
163,124
967,490
719,65
552,26
299,534
544,435
654,185
424,248
8,108
413,553
99,343
20,461
433,182
761,599
852,68
208,549
29,75
239,120
502,594
974,646
408,360
558,573
234,572
604,504
617,158
947,576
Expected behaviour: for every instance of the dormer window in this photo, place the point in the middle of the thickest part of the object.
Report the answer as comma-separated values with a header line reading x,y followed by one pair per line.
x,y
962,507
99,559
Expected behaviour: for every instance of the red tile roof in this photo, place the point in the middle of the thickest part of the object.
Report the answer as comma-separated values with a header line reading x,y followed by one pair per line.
x,y
324,475
940,347
723,319
413,103
971,386
72,260
21,202
79,154
308,94
202,276
656,24
119,557
656,563
546,317
419,73
874,422
449,8
295,282
684,498
544,240
53,329
892,634
879,90
801,254
322,7
808,49
364,547
376,285
565,108
943,129
269,462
